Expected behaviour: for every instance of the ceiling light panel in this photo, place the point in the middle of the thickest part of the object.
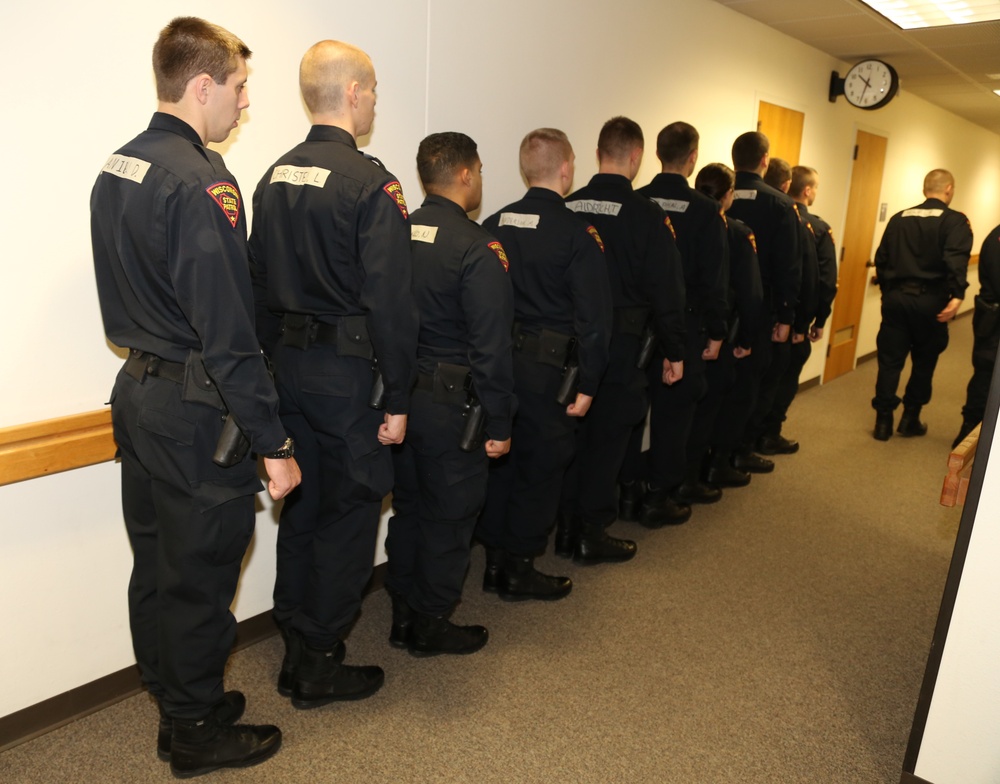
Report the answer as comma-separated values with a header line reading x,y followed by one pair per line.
x,y
913,14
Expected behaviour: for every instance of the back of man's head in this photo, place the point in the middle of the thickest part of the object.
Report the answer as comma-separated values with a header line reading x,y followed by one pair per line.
x,y
618,138
327,69
543,152
749,150
442,156
190,46
802,177
778,174
940,184
675,143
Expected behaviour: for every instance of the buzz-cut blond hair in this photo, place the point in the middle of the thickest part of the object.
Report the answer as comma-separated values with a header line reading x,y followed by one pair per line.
x,y
542,152
327,70
937,181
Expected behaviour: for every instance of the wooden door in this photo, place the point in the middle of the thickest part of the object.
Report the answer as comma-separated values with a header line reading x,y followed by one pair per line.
x,y
783,129
856,253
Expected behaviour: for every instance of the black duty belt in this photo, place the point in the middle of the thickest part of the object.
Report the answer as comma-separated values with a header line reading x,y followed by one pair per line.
x,y
631,321
548,348
917,287
349,335
140,364
425,382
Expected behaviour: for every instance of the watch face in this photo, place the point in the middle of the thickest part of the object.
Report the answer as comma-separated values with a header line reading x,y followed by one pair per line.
x,y
870,84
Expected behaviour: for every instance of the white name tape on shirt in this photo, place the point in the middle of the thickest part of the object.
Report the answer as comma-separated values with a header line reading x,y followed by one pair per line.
x,y
424,233
519,220
747,194
935,213
595,206
300,175
672,205
133,169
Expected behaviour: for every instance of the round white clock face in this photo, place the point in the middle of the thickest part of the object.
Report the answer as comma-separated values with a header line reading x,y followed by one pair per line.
x,y
870,84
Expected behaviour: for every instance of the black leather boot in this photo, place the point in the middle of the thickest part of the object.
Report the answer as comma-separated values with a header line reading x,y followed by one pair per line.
x,y
695,492
910,424
595,547
322,679
659,509
293,654
745,460
883,425
630,501
520,580
776,444
227,711
402,621
434,635
199,747
567,534
494,565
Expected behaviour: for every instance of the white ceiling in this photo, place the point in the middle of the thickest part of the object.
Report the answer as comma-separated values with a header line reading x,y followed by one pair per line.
x,y
947,66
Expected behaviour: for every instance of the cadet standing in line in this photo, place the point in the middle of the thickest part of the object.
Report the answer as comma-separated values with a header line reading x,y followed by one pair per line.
x,y
168,228
701,241
819,287
771,216
646,283
463,293
562,311
921,264
330,249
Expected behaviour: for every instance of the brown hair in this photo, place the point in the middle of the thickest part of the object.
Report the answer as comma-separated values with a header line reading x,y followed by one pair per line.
x,y
618,138
189,46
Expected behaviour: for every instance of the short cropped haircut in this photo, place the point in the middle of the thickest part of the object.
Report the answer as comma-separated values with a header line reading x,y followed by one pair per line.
x,y
748,149
442,155
542,152
327,69
189,46
802,178
676,142
937,180
778,173
618,138
715,180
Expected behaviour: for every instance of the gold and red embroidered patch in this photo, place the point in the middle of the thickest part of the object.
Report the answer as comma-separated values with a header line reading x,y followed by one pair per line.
x,y
395,192
669,225
753,241
597,237
227,196
497,248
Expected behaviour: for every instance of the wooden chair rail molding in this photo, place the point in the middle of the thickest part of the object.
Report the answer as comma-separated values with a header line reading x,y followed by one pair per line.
x,y
42,448
956,482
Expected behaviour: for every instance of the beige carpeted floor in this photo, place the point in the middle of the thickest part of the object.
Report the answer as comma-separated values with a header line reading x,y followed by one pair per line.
x,y
778,637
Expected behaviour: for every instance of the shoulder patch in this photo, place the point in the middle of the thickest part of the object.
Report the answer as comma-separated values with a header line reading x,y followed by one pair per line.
x,y
597,237
753,241
667,222
497,248
227,196
395,192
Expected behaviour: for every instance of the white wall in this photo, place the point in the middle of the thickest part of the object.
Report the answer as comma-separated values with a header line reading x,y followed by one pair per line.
x,y
84,87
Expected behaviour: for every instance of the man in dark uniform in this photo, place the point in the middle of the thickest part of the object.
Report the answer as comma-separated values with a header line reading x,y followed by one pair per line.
x,y
986,335
921,264
169,239
646,283
819,287
331,260
701,241
463,294
562,311
771,216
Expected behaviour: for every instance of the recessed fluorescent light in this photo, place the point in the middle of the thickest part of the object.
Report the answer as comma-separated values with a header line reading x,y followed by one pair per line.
x,y
913,14
997,92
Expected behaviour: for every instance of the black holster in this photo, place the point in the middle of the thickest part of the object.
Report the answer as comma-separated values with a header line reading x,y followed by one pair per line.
x,y
377,398
647,344
232,446
475,419
570,384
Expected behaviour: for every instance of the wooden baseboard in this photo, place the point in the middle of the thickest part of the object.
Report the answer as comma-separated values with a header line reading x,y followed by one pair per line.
x,y
58,711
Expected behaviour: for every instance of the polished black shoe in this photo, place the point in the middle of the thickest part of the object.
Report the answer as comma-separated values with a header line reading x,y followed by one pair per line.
x,y
432,636
322,679
630,501
402,621
567,535
226,711
596,547
659,509
754,464
910,424
726,476
688,493
883,426
293,654
520,580
776,444
199,747
494,563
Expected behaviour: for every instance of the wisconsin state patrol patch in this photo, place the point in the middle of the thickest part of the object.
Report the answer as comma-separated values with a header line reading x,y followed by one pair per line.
x,y
597,237
227,196
670,225
395,192
753,241
497,248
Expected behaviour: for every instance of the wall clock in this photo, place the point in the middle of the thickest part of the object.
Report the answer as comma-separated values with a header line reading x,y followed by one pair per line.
x,y
870,84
